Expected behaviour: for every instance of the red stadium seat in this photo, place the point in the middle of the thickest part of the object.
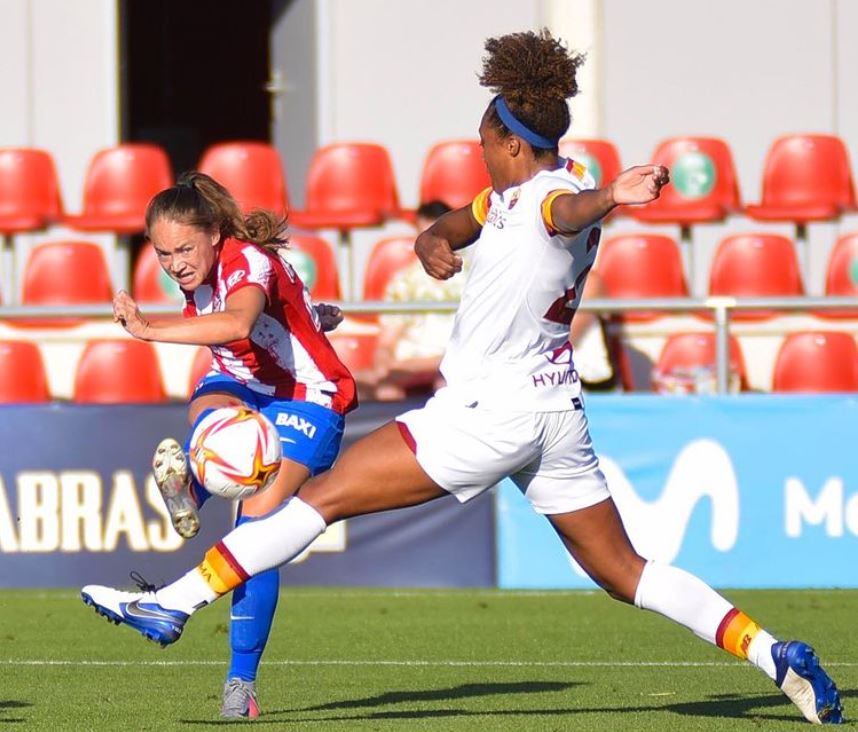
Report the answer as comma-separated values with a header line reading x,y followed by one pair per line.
x,y
755,265
316,265
641,266
806,178
119,184
201,366
150,283
355,350
29,190
704,186
817,362
683,352
600,157
251,171
66,273
841,278
454,172
118,372
349,185
22,373
387,257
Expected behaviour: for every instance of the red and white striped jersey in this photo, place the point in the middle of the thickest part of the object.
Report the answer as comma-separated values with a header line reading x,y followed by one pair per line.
x,y
287,355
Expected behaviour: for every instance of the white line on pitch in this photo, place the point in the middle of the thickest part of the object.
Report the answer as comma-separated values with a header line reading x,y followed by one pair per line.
x,y
476,664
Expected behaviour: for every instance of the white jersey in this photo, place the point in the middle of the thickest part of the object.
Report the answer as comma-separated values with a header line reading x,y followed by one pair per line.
x,y
510,342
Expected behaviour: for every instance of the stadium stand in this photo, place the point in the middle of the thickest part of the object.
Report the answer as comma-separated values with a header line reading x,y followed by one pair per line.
x,y
200,367
29,190
704,186
349,185
251,171
641,266
817,361
755,265
118,372
685,354
150,283
806,178
22,373
454,173
316,265
119,184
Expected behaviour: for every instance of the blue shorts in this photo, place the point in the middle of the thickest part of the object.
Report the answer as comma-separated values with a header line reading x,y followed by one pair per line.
x,y
309,433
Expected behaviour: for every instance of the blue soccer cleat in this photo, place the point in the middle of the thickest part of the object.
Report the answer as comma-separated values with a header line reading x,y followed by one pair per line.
x,y
140,610
804,681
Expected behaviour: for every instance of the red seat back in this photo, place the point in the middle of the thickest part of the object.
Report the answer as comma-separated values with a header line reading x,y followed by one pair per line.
x,y
251,171
351,184
150,283
642,266
314,261
454,172
842,275
118,372
817,361
119,184
755,265
806,178
66,273
600,157
29,190
704,186
22,373
685,351
387,257
355,350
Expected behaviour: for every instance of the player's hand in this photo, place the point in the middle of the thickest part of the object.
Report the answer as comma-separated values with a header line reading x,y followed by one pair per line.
x,y
330,316
437,256
640,184
126,312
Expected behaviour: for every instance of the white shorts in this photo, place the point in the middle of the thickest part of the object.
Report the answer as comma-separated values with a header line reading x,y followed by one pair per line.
x,y
548,455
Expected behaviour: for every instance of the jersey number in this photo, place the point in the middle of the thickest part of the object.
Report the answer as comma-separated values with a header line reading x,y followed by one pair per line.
x,y
563,309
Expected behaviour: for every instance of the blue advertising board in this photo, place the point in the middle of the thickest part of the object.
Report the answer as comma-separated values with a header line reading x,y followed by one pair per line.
x,y
744,491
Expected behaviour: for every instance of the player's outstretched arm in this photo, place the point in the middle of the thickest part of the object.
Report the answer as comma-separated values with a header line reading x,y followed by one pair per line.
x,y
640,184
234,323
436,246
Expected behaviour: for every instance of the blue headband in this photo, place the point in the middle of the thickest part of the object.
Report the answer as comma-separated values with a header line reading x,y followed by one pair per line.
x,y
519,128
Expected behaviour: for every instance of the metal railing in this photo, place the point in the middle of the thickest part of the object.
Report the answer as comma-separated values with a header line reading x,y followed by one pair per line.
x,y
720,307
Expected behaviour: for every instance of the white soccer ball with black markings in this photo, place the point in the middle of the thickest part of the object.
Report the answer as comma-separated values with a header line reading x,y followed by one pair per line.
x,y
235,452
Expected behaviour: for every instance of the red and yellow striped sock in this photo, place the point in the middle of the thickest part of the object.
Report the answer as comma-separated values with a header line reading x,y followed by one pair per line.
x,y
735,633
220,570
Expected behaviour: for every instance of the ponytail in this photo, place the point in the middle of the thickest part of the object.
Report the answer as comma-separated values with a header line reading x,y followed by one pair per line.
x,y
200,201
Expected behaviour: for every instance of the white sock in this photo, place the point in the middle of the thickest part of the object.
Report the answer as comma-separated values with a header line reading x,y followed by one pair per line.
x,y
247,550
689,601
683,598
760,653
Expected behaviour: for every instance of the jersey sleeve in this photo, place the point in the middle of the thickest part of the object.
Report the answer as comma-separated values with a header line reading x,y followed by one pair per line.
x,y
481,205
249,267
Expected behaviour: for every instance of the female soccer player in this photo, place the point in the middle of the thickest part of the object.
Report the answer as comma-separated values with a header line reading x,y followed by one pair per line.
x,y
269,353
512,405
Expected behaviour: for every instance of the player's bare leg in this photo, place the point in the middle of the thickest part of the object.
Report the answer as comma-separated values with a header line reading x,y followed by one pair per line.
x,y
596,538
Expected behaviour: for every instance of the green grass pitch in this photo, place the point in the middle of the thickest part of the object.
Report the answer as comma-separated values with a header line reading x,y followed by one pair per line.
x,y
422,659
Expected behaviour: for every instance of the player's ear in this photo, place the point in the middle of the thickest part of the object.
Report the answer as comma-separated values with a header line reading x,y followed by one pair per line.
x,y
513,145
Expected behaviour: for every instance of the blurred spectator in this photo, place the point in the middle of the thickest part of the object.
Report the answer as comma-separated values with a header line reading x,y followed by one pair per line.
x,y
410,347
594,359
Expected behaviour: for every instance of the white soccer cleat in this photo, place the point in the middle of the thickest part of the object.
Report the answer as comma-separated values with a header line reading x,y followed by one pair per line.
x,y
173,478
806,683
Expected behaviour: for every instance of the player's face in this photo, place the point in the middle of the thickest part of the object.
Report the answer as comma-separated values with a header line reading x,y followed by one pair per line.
x,y
495,154
187,253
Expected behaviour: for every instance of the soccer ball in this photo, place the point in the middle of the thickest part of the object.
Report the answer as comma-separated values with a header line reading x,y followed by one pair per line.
x,y
235,452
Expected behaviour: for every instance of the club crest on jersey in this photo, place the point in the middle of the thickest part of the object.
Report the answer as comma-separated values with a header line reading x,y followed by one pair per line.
x,y
235,278
513,199
284,419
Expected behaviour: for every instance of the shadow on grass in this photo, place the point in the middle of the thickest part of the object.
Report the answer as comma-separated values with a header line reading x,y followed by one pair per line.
x,y
721,706
6,704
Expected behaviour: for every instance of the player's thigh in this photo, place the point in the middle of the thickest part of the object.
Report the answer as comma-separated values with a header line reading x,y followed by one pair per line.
x,y
377,473
211,400
596,538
